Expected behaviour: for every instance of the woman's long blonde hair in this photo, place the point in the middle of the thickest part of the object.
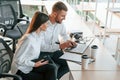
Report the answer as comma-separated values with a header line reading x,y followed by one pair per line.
x,y
37,20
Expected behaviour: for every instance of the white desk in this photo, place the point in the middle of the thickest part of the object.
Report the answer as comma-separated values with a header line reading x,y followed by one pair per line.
x,y
115,11
96,75
104,68
104,61
117,14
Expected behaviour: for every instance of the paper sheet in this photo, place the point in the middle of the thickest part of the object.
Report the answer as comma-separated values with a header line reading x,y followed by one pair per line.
x,y
71,57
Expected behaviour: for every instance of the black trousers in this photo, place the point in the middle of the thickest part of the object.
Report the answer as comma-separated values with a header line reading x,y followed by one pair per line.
x,y
45,72
63,66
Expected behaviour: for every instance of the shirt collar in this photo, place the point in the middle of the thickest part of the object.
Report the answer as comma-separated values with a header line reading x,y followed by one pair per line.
x,y
49,22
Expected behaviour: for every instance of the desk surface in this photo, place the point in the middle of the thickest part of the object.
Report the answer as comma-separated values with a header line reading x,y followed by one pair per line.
x,y
118,14
104,61
96,75
115,11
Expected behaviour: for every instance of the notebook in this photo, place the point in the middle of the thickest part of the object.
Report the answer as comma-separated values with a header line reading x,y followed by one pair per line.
x,y
71,57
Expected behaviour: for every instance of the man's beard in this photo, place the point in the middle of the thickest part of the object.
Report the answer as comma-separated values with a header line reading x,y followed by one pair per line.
x,y
58,21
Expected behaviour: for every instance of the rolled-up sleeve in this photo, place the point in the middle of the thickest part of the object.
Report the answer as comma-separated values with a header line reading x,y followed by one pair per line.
x,y
64,34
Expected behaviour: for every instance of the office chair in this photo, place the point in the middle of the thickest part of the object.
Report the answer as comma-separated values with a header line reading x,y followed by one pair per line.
x,y
16,4
6,56
21,17
8,21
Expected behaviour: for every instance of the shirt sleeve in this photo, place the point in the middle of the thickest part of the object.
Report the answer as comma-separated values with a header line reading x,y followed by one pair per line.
x,y
23,53
64,34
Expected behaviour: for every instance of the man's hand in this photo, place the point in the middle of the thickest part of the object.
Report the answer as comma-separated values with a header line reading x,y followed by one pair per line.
x,y
67,44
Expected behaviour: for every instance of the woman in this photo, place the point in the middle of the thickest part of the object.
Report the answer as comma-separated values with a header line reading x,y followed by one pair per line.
x,y
29,49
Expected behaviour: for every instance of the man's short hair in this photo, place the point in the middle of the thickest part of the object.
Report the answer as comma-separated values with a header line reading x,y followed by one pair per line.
x,y
58,6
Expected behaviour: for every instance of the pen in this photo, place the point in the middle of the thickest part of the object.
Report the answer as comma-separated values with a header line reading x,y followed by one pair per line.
x,y
57,42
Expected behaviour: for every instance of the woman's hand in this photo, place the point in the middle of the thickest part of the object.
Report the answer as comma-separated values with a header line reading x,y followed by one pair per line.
x,y
40,63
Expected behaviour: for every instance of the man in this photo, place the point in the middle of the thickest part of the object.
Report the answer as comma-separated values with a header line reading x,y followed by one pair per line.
x,y
53,46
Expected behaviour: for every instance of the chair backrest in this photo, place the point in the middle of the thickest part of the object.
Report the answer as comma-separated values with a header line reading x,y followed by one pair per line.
x,y
7,16
16,4
6,56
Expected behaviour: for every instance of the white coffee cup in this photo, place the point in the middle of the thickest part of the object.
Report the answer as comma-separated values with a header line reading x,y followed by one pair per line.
x,y
94,49
85,61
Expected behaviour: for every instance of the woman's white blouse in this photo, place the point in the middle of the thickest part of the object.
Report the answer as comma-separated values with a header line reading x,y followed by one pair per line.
x,y
28,49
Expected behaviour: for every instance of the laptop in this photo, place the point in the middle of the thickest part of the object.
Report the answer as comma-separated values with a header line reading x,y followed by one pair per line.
x,y
81,47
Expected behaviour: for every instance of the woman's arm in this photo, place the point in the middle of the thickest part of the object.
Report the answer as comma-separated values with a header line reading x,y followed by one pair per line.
x,y
23,53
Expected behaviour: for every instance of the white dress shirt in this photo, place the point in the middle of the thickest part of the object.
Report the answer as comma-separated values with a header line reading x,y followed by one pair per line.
x,y
51,36
28,49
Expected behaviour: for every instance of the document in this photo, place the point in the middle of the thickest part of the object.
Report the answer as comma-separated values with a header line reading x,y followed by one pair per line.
x,y
71,57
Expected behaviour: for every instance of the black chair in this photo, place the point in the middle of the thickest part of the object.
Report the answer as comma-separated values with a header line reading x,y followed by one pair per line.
x,y
8,21
6,56
16,4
